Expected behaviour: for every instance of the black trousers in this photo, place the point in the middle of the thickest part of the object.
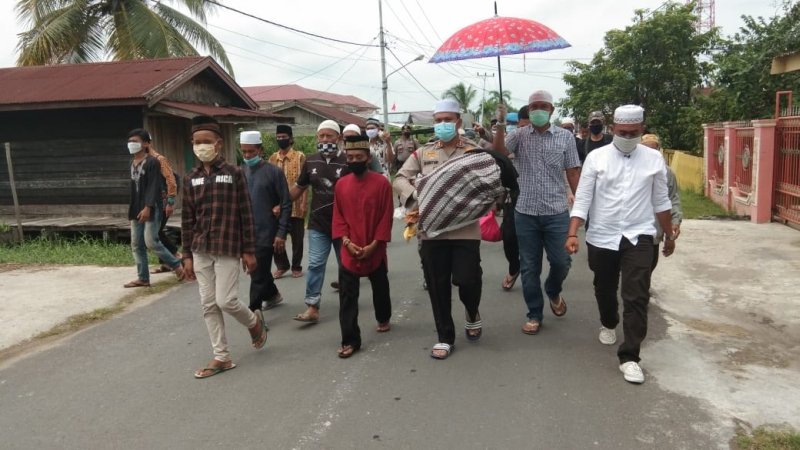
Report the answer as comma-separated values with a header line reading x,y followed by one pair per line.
x,y
297,230
634,264
349,289
510,243
164,237
262,285
446,263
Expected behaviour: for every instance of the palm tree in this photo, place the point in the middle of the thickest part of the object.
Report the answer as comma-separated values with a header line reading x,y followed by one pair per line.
x,y
495,95
461,93
76,31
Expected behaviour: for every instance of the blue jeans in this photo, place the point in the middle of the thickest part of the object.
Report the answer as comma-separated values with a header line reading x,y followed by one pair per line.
x,y
319,248
537,233
145,236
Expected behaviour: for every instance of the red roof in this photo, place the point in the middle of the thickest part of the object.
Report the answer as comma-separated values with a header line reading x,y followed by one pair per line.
x,y
289,92
328,112
219,111
143,81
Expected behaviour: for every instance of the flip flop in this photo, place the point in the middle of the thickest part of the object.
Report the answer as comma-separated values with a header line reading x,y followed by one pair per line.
x,y
136,283
448,349
346,351
509,281
161,269
554,306
303,317
531,327
297,273
212,371
260,340
383,327
278,273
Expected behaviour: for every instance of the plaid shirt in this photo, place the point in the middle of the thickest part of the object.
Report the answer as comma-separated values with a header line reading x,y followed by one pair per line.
x,y
291,164
542,159
217,217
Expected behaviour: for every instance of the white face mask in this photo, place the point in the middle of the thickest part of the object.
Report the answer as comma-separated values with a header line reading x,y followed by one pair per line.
x,y
134,147
372,133
204,152
626,145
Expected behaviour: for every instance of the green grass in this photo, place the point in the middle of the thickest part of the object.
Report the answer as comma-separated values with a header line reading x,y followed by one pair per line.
x,y
768,438
695,205
59,250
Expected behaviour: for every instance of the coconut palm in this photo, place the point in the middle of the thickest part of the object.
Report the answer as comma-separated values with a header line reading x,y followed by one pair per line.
x,y
76,31
461,93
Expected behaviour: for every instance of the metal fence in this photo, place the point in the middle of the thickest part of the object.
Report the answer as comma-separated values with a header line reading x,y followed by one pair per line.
x,y
716,148
742,151
787,169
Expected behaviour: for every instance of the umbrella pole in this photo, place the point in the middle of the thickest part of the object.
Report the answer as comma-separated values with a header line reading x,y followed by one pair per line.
x,y
499,72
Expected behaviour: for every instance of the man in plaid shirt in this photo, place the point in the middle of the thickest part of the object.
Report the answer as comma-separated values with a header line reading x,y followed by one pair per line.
x,y
544,155
217,231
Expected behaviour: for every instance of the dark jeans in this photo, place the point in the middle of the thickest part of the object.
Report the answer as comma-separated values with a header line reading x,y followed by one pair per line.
x,y
297,231
634,264
449,262
164,237
262,285
510,243
349,287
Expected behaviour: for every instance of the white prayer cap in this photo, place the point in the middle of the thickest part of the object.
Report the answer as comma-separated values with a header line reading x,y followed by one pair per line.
x,y
567,121
329,125
250,137
540,96
629,114
352,127
447,105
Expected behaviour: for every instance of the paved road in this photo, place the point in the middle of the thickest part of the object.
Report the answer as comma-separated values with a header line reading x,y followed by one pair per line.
x,y
127,383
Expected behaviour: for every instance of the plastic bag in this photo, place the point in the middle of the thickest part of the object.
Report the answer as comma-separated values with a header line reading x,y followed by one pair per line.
x,y
490,230
400,213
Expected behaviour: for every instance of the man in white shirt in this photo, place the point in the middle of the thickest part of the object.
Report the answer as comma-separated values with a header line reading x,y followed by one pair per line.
x,y
622,185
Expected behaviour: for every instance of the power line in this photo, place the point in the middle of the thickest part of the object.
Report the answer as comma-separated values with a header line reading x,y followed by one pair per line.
x,y
215,2
411,74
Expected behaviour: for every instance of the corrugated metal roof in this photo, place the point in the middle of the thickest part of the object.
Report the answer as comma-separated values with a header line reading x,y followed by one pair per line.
x,y
111,81
289,92
341,117
220,111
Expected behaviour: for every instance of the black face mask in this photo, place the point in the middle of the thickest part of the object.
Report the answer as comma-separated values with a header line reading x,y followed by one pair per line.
x,y
596,128
283,144
406,133
357,168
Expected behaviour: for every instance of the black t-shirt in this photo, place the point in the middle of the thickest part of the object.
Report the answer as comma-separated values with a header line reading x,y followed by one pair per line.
x,y
322,176
587,145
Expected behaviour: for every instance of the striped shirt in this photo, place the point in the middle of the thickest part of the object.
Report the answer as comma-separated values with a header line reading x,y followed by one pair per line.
x,y
541,159
217,217
291,164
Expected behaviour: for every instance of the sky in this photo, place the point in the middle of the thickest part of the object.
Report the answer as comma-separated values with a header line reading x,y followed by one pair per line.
x,y
264,54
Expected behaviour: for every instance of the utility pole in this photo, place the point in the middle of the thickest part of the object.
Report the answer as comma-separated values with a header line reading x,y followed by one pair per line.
x,y
483,100
384,82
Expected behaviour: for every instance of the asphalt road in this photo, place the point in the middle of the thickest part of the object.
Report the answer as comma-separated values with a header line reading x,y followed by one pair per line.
x,y
127,383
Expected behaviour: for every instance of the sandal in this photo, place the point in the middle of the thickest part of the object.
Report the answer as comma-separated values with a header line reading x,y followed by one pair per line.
x,y
446,348
278,273
383,327
559,307
306,317
531,327
258,333
474,330
137,283
179,273
297,273
161,269
346,351
210,371
509,281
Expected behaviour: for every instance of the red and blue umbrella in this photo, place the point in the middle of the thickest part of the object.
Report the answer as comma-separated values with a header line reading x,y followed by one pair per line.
x,y
498,36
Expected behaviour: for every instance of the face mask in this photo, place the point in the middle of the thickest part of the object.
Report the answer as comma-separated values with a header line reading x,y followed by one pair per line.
x,y
357,168
626,145
510,128
596,129
406,133
539,117
283,144
372,133
328,150
252,161
134,147
445,131
204,152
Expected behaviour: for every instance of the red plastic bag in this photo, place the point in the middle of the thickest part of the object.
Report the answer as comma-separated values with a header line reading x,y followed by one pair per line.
x,y
490,230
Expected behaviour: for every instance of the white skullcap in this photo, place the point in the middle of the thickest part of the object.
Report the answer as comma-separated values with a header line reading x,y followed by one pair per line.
x,y
352,127
541,96
250,137
567,121
629,114
447,105
329,125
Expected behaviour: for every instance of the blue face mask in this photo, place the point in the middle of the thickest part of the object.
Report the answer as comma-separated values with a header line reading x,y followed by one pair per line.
x,y
510,128
252,161
445,131
539,117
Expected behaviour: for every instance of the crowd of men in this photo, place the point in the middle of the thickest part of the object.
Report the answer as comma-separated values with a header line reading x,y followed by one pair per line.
x,y
616,185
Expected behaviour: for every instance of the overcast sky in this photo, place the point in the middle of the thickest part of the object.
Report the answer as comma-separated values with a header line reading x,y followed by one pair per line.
x,y
264,54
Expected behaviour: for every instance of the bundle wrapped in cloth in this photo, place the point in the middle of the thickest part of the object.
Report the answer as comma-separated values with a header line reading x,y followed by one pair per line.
x,y
458,193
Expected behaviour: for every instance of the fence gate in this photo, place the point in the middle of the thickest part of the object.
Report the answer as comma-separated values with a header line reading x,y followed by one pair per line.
x,y
787,161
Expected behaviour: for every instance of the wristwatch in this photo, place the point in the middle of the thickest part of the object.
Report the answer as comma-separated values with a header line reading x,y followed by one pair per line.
x,y
669,237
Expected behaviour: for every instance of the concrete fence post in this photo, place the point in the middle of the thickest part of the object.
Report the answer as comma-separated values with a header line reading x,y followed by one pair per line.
x,y
764,148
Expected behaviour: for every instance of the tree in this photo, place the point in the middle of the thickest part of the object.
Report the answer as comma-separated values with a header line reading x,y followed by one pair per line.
x,y
654,63
461,93
76,31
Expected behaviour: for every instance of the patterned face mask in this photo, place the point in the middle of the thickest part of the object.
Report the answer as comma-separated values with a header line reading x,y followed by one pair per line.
x,y
327,150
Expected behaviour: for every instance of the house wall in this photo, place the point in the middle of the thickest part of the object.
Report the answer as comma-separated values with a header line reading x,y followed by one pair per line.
x,y
305,122
205,90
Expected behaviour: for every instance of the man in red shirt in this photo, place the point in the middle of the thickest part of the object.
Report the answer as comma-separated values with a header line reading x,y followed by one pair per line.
x,y
362,219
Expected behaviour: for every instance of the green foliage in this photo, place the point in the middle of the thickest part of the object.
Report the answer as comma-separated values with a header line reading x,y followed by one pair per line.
x,y
463,94
654,63
695,205
59,250
768,438
76,31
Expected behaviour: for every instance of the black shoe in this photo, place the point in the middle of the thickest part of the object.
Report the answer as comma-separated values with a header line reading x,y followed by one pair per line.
x,y
335,285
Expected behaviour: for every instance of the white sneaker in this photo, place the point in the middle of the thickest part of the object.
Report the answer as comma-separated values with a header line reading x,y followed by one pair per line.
x,y
632,372
608,336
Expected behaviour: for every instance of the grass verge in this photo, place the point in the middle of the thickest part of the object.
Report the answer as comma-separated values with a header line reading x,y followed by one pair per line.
x,y
767,438
695,206
75,251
